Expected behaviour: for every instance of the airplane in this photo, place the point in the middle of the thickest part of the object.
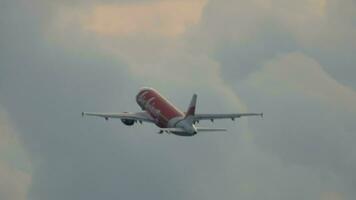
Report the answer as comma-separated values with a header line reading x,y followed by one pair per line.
x,y
158,110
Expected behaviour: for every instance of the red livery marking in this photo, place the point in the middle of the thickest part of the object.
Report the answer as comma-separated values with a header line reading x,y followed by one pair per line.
x,y
191,111
157,106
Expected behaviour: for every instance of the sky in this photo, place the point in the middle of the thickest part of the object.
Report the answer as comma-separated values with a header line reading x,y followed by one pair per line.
x,y
292,60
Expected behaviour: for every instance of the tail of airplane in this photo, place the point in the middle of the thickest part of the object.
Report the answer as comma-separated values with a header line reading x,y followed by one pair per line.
x,y
191,108
202,129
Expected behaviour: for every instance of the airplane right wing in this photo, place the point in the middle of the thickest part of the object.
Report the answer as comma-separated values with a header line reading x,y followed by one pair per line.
x,y
212,117
137,116
190,114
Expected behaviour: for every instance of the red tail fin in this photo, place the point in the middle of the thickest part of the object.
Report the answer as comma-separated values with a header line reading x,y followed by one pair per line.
x,y
191,109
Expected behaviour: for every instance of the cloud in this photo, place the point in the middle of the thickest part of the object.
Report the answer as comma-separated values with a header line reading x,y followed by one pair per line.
x,y
14,183
332,196
303,149
163,62
162,18
298,73
309,119
137,36
242,35
15,177
306,19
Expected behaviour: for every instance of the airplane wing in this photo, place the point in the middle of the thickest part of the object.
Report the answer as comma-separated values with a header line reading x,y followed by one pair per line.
x,y
172,130
212,117
190,114
138,116
199,129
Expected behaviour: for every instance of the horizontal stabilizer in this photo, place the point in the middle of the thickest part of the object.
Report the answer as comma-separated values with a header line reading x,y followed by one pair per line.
x,y
171,130
200,129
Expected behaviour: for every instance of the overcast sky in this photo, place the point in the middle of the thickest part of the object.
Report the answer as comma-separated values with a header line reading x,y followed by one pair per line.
x,y
292,60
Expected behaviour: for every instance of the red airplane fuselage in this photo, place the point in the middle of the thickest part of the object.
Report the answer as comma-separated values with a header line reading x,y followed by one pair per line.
x,y
161,110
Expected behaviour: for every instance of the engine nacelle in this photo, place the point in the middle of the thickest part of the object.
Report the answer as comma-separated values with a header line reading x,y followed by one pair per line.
x,y
128,122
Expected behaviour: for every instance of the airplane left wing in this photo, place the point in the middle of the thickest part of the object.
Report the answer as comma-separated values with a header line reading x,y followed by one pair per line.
x,y
212,117
137,116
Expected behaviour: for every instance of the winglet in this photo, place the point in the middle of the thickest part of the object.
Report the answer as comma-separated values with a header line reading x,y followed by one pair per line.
x,y
191,109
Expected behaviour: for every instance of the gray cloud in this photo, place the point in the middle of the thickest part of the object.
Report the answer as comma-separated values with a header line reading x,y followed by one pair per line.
x,y
301,150
245,34
45,88
15,175
304,132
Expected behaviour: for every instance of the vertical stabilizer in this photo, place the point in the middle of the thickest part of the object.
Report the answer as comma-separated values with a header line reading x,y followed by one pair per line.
x,y
191,109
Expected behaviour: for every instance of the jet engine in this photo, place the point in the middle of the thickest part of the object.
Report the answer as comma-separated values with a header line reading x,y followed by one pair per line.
x,y
128,122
